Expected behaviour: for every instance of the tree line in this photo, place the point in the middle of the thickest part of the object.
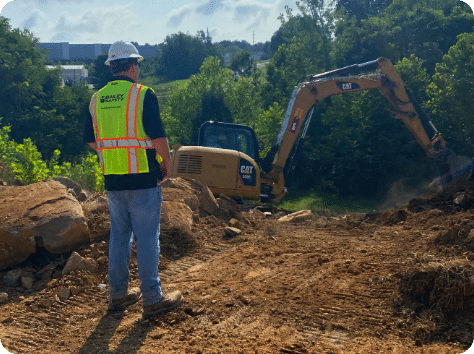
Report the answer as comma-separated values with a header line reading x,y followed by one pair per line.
x,y
353,146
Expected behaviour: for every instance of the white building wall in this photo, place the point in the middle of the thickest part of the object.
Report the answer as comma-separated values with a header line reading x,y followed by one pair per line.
x,y
73,73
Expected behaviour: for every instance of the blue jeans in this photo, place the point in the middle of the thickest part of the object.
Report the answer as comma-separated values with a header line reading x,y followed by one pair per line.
x,y
135,212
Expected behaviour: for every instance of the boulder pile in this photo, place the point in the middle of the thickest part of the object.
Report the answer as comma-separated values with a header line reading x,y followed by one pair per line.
x,y
59,216
43,214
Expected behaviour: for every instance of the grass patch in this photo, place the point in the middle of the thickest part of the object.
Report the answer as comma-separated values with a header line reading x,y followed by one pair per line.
x,y
300,200
162,89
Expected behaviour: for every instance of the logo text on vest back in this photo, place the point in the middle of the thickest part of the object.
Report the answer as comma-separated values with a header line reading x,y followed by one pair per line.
x,y
112,98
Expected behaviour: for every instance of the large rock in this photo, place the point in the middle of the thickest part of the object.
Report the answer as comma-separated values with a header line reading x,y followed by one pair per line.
x,y
206,199
15,245
77,262
185,196
232,231
208,202
13,277
44,212
296,216
187,184
69,184
228,208
176,217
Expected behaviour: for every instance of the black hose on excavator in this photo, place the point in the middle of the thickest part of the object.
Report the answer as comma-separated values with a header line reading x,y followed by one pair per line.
x,y
348,70
459,167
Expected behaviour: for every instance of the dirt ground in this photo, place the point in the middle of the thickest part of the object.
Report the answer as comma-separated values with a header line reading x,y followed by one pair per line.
x,y
399,281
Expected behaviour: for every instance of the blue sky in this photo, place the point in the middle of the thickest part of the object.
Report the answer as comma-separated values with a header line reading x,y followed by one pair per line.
x,y
142,21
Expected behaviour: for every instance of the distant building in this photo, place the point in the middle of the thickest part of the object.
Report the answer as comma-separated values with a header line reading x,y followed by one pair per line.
x,y
87,52
72,73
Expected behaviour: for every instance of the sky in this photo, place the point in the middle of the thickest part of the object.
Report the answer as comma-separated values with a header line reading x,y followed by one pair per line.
x,y
142,21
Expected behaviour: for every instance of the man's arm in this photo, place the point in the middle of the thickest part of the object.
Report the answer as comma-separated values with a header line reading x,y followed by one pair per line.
x,y
88,136
161,147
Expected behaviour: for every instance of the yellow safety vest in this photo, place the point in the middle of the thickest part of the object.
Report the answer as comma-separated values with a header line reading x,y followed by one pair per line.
x,y
116,112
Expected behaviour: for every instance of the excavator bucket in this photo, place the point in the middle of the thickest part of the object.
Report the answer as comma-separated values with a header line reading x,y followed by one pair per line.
x,y
459,169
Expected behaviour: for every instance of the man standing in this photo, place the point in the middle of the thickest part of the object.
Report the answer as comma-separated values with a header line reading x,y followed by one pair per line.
x,y
125,129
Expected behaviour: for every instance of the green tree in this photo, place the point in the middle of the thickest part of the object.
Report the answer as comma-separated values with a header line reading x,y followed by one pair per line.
x,y
213,94
424,28
73,104
363,9
32,102
415,77
452,96
181,55
267,126
23,163
198,100
243,64
27,88
241,45
277,40
243,101
100,73
307,51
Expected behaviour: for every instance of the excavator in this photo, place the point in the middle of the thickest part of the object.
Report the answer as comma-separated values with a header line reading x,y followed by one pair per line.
x,y
227,159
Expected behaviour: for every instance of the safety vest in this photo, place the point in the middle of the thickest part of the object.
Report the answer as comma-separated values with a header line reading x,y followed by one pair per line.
x,y
116,112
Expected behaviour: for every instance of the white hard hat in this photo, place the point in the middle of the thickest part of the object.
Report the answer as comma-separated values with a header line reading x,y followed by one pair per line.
x,y
122,50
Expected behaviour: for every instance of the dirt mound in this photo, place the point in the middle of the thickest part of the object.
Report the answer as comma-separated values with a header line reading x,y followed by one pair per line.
x,y
453,199
437,300
444,287
460,234
392,217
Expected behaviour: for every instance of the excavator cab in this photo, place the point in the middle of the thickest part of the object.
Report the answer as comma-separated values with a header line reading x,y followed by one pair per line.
x,y
225,160
229,136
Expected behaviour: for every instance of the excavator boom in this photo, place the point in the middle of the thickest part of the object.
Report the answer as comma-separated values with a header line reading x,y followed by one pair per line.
x,y
380,74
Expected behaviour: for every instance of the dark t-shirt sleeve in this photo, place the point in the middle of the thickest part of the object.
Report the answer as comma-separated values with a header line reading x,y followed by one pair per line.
x,y
151,116
88,136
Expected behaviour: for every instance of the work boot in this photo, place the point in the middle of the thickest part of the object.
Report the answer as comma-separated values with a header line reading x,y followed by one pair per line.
x,y
133,295
167,303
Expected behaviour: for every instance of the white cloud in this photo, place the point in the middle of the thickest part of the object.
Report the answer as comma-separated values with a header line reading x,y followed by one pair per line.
x,y
55,2
210,7
229,19
246,13
32,20
100,25
176,17
105,21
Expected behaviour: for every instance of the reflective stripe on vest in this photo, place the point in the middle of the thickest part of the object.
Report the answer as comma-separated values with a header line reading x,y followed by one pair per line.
x,y
122,143
116,112
132,110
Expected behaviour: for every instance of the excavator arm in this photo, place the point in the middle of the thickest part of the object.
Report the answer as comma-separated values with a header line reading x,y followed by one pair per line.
x,y
379,74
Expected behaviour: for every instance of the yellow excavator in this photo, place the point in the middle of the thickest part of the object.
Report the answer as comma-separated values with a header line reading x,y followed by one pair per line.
x,y
227,160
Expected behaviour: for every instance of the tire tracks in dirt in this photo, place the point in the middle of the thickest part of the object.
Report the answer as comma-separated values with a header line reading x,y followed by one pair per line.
x,y
36,322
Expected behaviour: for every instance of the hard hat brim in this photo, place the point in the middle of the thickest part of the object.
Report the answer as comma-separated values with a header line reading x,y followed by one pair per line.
x,y
139,57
